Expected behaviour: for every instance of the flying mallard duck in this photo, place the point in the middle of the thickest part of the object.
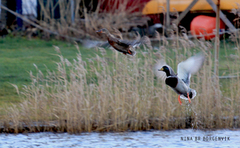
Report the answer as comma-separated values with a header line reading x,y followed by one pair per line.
x,y
120,45
180,82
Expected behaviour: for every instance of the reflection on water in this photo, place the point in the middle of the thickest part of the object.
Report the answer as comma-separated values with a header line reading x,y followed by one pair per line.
x,y
177,138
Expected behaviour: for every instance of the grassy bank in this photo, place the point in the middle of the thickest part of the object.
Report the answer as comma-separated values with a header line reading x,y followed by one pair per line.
x,y
18,56
113,92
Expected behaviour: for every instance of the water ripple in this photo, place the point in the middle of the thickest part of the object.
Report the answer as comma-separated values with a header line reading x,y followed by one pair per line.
x,y
176,138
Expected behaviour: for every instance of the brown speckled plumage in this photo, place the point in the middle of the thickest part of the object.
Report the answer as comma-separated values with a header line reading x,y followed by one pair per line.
x,y
120,45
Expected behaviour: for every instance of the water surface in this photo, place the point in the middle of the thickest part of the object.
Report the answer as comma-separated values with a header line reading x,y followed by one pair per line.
x,y
176,138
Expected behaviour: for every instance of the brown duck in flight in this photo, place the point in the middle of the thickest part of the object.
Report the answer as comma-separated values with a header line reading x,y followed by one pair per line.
x,y
120,45
180,82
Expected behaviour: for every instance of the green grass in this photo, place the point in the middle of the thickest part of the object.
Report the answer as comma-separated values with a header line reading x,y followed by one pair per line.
x,y
18,56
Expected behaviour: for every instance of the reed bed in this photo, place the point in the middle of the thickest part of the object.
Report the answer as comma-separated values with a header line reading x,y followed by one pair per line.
x,y
114,92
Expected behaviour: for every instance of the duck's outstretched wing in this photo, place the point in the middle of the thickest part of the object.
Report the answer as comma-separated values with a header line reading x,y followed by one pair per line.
x,y
91,43
132,43
137,42
190,66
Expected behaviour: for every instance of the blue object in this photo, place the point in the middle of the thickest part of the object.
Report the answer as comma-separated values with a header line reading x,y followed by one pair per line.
x,y
19,10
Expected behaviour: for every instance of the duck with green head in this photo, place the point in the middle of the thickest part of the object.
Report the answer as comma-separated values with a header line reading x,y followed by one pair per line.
x,y
180,82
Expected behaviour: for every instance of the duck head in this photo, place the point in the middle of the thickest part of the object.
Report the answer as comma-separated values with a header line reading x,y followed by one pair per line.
x,y
103,31
167,70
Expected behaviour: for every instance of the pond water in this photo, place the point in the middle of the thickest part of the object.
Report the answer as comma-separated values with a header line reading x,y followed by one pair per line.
x,y
176,138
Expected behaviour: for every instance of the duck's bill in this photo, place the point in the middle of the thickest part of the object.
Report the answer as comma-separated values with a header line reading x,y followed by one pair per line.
x,y
99,31
160,69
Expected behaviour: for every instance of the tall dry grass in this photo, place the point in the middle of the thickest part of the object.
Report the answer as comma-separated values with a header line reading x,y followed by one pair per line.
x,y
120,93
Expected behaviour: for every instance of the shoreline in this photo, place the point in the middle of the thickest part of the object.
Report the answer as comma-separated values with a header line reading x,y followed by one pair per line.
x,y
62,126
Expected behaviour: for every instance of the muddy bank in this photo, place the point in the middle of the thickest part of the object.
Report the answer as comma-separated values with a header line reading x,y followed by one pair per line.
x,y
62,126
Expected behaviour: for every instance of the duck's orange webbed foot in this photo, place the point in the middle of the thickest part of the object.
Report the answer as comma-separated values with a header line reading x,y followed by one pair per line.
x,y
188,98
179,100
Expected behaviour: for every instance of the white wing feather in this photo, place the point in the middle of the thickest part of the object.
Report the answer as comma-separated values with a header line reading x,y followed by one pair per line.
x,y
159,65
190,66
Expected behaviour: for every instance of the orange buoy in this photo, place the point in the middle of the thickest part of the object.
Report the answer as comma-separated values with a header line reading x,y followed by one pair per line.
x,y
205,25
